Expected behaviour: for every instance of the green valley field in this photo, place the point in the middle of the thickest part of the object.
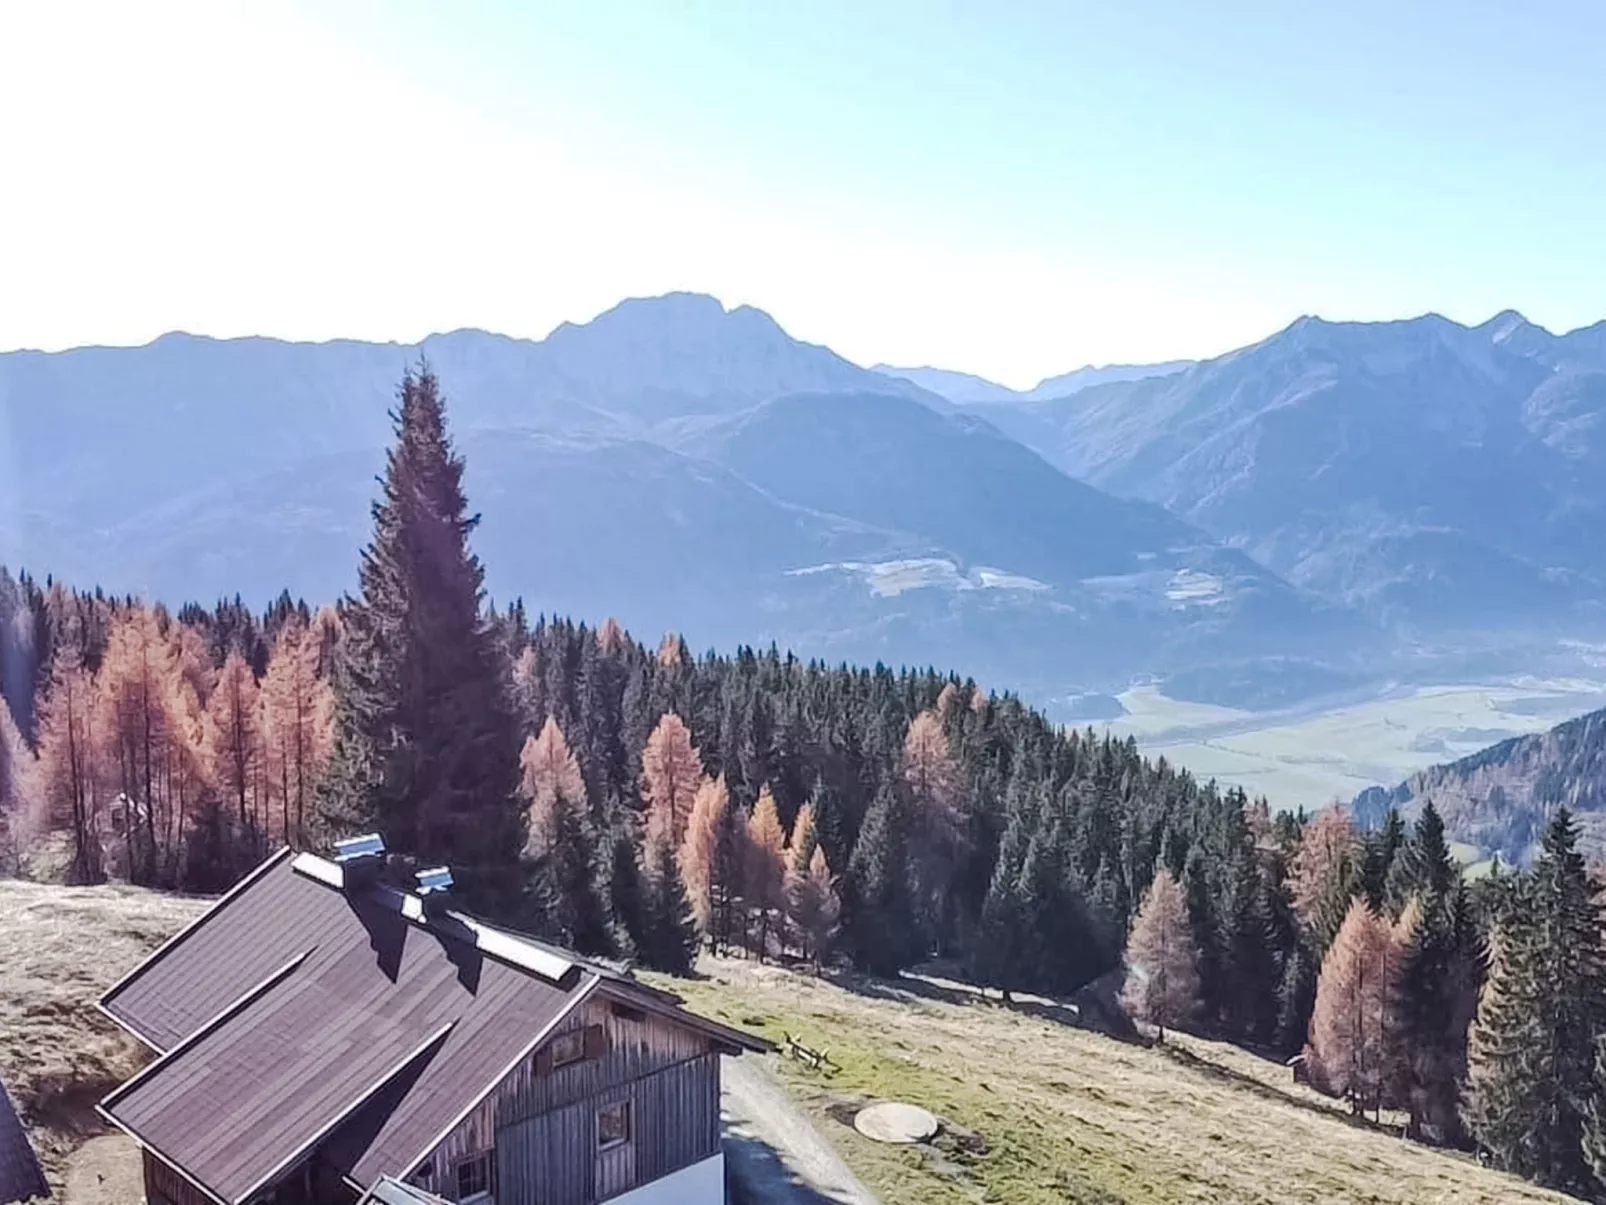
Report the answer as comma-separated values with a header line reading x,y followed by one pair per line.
x,y
1307,757
1038,1105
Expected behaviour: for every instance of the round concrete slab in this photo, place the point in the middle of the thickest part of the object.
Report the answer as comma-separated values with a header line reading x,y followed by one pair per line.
x,y
890,1121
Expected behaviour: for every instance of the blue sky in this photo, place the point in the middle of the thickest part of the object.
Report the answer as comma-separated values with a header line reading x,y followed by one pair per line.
x,y
1009,189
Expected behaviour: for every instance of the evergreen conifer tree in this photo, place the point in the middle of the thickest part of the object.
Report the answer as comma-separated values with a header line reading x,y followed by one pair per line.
x,y
883,916
1433,988
426,748
1532,1073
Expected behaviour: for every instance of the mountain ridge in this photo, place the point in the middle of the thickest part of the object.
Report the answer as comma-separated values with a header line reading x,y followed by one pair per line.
x,y
1500,797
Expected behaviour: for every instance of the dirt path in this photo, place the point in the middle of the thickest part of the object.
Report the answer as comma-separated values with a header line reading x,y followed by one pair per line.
x,y
104,1171
773,1153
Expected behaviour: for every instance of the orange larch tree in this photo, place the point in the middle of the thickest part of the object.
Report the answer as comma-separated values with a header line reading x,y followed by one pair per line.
x,y
671,773
1322,872
764,878
813,906
1349,1053
803,840
71,780
298,720
134,680
1162,959
549,770
237,746
710,859
16,789
941,810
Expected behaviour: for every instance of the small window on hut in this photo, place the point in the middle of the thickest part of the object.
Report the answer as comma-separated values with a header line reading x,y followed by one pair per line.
x,y
613,1125
568,1048
473,1177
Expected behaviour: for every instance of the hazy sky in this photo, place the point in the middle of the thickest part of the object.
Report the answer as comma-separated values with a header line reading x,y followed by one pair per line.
x,y
1010,189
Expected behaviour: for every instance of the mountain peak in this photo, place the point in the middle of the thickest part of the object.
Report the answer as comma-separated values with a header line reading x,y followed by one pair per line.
x,y
1508,324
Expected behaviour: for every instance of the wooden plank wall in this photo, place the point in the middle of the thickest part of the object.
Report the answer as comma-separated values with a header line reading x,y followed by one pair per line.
x,y
164,1186
552,1158
676,1117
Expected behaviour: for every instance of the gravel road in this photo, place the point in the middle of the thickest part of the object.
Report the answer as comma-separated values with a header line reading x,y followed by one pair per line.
x,y
773,1153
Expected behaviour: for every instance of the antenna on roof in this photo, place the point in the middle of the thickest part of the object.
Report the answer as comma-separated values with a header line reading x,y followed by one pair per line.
x,y
360,860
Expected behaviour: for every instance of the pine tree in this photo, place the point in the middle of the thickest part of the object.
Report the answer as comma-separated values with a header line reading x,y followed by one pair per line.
x,y
884,935
1162,961
1434,990
426,749
1378,852
671,929
567,883
1424,865
1532,1050
1006,951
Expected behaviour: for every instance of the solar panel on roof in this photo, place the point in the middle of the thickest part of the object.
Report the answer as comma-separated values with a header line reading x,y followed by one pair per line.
x,y
438,878
370,845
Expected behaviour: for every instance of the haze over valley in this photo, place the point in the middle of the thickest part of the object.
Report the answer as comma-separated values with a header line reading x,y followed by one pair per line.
x,y
1344,512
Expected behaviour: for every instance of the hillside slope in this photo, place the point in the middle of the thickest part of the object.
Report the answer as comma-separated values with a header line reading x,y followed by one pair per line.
x,y
1037,1109
1499,798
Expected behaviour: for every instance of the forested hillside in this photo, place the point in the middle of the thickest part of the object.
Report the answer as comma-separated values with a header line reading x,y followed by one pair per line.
x,y
1499,798
638,801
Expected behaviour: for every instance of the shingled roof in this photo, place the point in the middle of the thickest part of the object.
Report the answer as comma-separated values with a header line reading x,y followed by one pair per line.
x,y
297,1018
21,1178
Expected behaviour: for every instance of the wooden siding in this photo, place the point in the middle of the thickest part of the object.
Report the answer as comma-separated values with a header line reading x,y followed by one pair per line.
x,y
541,1121
164,1186
552,1158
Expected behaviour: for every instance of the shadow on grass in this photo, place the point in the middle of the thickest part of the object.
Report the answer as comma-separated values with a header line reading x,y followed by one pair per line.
x,y
1089,1009
1227,1075
906,989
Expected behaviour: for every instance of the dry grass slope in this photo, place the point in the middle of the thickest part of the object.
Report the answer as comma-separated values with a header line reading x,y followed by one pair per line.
x,y
1038,1110
1042,1111
60,948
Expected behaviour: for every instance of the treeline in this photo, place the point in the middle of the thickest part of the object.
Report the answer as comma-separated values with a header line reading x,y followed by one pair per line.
x,y
644,802
170,751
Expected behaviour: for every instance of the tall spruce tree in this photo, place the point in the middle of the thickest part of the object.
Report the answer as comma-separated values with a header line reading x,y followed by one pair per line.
x,y
1533,1045
426,746
884,932
1435,990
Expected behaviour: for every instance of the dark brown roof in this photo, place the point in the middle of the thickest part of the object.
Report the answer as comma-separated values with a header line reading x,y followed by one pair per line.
x,y
20,1176
297,1018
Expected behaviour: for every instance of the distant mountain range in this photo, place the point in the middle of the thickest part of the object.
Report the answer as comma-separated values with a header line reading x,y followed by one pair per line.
x,y
962,388
1447,481
1500,798
1328,499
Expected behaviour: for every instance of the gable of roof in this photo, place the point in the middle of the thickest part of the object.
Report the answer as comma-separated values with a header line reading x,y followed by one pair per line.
x,y
21,1177
297,1018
